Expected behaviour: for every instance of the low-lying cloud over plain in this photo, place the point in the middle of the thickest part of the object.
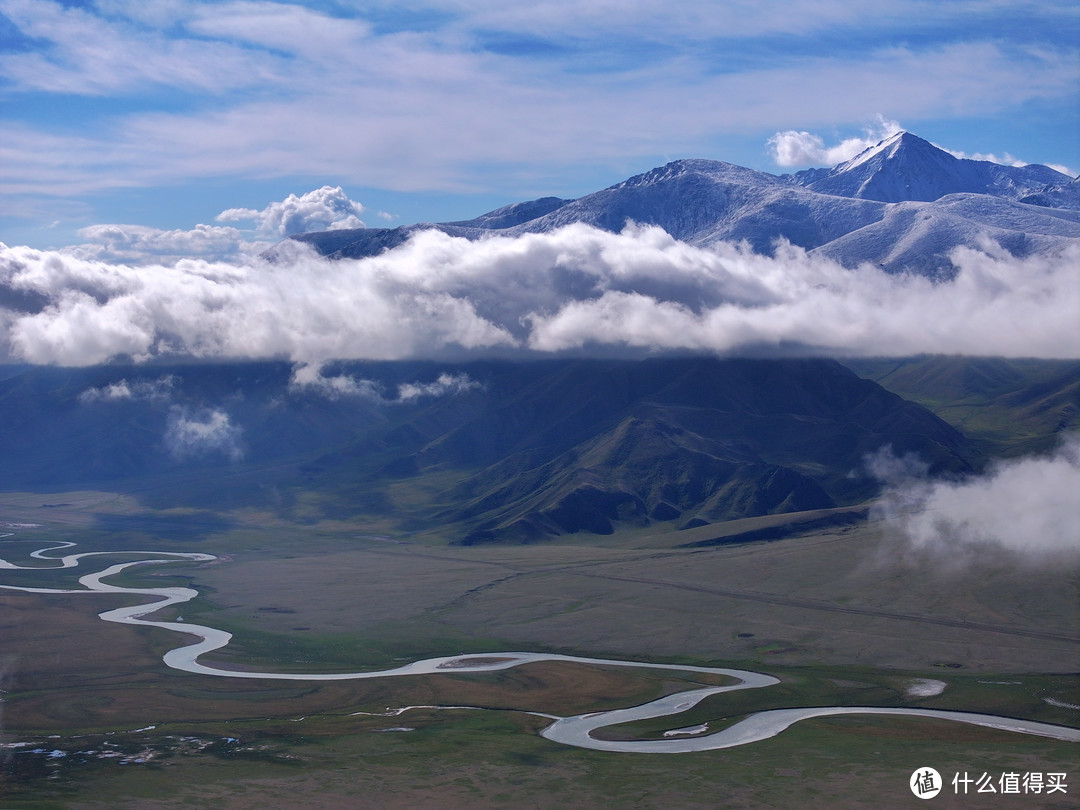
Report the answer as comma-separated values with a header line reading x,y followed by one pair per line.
x,y
576,289
1027,506
309,378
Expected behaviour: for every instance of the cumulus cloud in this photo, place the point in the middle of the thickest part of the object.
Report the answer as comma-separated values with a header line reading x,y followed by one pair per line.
x,y
573,289
1027,506
324,209
800,148
209,431
152,390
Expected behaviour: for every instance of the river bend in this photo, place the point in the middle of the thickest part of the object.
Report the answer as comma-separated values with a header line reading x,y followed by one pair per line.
x,y
576,730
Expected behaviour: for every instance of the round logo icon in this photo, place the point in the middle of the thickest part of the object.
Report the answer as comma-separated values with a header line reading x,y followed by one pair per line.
x,y
925,783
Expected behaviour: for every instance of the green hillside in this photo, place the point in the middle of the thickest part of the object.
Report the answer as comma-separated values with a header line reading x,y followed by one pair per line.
x,y
1007,407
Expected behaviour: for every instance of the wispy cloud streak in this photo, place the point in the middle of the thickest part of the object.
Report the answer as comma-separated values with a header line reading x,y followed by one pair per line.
x,y
478,95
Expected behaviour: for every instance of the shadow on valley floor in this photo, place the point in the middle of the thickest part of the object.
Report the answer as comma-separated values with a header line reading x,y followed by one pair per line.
x,y
189,526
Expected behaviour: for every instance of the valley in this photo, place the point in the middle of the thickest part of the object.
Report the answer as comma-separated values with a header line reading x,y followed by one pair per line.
x,y
827,613
495,514
704,518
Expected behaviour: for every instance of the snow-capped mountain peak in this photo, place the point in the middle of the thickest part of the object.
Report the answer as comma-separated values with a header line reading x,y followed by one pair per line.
x,y
906,168
887,148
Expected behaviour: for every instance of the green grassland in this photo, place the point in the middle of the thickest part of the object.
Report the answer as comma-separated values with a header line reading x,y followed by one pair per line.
x,y
474,759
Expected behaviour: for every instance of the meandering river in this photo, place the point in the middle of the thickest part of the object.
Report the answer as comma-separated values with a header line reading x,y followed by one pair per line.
x,y
575,730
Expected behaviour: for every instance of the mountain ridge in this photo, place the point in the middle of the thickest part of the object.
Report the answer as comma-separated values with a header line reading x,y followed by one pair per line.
x,y
847,213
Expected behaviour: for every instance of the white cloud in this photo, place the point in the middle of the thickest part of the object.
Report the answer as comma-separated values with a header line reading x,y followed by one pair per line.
x,y
996,305
661,20
793,148
190,434
324,209
309,377
82,52
141,244
1061,167
449,120
1005,160
1027,506
273,89
152,390
443,385
574,289
280,27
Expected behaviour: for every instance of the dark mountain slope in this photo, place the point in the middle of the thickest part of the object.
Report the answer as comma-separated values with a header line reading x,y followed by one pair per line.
x,y
522,451
590,443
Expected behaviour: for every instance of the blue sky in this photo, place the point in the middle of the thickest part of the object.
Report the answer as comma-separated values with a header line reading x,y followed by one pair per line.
x,y
165,113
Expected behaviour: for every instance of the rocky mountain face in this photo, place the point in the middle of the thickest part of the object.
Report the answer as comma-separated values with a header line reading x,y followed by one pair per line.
x,y
902,205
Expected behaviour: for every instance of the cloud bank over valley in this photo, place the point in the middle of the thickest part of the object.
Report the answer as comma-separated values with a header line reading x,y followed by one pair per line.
x,y
575,289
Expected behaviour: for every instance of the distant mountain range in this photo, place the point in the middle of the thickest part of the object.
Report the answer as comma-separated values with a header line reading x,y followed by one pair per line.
x,y
901,205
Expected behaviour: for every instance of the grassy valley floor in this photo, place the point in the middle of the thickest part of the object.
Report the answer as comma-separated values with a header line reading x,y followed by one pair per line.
x,y
842,615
